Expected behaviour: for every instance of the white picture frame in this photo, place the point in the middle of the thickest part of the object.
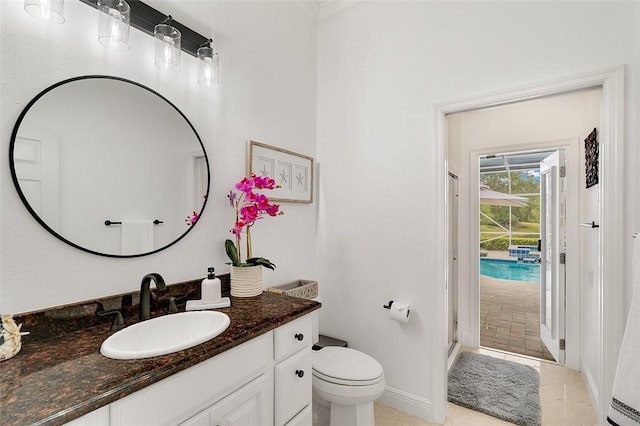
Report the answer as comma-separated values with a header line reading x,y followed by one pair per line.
x,y
293,172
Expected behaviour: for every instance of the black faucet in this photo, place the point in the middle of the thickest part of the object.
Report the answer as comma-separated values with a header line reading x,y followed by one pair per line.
x,y
145,293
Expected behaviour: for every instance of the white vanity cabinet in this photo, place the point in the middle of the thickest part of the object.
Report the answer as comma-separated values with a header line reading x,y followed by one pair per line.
x,y
245,370
265,381
292,349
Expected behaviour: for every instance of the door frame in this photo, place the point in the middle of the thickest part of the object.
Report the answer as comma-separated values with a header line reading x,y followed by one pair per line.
x,y
611,80
452,267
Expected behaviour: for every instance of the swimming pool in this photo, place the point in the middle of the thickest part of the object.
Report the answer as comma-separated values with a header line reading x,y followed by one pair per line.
x,y
510,270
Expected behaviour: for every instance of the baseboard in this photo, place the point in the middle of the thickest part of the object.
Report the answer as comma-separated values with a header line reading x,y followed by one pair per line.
x,y
453,355
408,403
466,339
592,386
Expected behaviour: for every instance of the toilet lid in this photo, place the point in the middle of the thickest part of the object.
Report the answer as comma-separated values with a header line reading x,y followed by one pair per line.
x,y
346,365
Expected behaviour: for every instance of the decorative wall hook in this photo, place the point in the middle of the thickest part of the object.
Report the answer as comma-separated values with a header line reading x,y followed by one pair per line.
x,y
593,224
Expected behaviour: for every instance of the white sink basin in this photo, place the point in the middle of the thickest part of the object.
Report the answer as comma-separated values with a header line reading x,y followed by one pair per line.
x,y
165,335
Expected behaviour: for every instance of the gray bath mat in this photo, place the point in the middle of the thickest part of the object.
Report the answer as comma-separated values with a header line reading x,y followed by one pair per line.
x,y
496,387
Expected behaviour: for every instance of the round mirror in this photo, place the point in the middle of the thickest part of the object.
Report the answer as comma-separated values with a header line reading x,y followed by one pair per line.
x,y
109,166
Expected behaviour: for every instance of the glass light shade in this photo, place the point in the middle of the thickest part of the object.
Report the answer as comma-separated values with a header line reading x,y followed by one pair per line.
x,y
167,47
208,68
113,23
51,10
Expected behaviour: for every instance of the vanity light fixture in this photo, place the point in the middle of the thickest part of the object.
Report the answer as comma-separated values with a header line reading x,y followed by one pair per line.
x,y
171,37
51,10
208,67
167,45
113,23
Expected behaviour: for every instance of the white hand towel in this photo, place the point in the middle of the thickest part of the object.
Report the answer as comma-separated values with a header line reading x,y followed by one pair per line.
x,y
625,404
136,236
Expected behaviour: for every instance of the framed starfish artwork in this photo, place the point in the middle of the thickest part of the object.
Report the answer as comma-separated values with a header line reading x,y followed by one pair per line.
x,y
292,172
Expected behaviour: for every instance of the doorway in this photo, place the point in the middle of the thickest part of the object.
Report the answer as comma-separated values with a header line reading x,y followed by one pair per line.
x,y
525,127
600,369
512,254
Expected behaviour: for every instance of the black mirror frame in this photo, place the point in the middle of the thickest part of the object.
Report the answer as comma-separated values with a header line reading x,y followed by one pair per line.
x,y
35,215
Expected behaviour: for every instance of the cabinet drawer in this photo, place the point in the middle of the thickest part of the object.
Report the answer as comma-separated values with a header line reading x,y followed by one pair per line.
x,y
292,386
292,337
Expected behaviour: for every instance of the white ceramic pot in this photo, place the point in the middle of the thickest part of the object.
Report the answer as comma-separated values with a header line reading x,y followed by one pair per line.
x,y
246,281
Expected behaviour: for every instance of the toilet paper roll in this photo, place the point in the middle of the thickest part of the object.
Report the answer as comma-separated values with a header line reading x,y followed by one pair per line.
x,y
400,312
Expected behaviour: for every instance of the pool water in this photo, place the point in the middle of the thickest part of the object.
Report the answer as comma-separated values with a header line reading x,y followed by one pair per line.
x,y
510,270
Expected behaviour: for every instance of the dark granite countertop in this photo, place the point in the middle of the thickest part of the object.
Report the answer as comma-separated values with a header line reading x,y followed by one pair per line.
x,y
55,379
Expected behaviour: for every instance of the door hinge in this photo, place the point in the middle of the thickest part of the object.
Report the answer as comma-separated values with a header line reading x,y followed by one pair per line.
x,y
562,343
563,258
563,171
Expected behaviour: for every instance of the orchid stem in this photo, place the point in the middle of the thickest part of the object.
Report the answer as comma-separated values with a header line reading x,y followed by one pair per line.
x,y
249,251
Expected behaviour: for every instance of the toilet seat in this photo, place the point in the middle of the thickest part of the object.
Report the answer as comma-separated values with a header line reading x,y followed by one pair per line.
x,y
343,382
347,382
346,366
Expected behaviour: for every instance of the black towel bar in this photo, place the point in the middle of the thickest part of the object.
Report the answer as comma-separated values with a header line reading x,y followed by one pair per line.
x,y
110,222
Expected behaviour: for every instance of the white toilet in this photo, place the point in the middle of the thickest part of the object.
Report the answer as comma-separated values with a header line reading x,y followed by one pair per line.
x,y
345,384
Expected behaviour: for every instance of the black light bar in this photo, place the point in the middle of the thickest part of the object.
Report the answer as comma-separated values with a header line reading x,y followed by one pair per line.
x,y
145,18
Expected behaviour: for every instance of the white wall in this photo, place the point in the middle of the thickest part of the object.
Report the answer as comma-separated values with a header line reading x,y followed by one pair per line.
x,y
381,68
267,93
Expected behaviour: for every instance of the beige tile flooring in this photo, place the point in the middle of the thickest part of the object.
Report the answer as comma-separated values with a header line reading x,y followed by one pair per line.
x,y
510,317
564,400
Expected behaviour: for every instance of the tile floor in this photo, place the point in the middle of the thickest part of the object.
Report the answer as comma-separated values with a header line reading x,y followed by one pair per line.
x,y
564,399
510,317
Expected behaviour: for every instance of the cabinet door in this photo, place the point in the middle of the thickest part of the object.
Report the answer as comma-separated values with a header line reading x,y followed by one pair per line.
x,y
251,405
303,418
292,385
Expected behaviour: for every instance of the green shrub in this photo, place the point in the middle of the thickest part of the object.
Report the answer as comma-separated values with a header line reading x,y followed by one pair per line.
x,y
502,244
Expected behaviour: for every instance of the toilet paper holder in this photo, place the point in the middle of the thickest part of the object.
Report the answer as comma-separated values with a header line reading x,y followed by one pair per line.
x,y
388,306
404,308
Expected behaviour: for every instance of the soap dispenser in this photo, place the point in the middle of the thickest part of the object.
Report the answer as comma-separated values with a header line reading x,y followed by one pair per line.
x,y
211,287
210,294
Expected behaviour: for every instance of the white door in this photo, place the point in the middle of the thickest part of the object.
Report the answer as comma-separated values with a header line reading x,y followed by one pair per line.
x,y
36,161
197,181
552,267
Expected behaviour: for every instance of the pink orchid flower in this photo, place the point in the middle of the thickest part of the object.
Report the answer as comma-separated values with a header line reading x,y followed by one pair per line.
x,y
192,219
250,207
246,185
273,209
264,182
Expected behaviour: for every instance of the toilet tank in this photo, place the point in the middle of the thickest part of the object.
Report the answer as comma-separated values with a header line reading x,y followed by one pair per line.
x,y
315,318
320,341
